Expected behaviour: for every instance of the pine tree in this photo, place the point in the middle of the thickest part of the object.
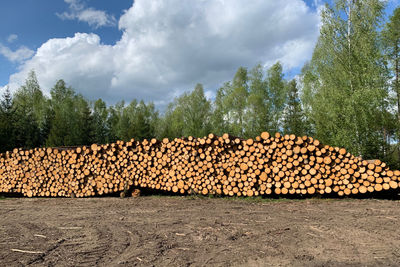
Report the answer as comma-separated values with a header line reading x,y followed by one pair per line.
x,y
85,127
172,123
196,111
48,120
29,103
62,125
126,126
72,122
7,122
144,121
100,116
293,119
112,123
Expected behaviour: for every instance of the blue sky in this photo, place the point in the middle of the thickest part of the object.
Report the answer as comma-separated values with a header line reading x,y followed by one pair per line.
x,y
36,21
151,50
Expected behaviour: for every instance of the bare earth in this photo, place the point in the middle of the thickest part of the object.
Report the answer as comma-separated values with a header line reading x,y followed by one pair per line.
x,y
185,231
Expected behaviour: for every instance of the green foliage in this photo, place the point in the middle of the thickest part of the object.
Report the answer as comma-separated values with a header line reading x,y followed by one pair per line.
x,y
72,122
30,98
188,115
85,133
236,102
230,105
29,104
112,122
7,122
62,105
196,113
391,44
345,82
259,110
137,120
171,125
277,95
293,117
251,103
219,122
100,115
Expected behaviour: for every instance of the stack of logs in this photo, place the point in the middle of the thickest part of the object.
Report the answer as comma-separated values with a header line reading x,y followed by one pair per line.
x,y
213,165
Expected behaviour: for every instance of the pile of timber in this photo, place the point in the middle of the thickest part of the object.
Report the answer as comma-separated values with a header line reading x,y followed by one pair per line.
x,y
224,165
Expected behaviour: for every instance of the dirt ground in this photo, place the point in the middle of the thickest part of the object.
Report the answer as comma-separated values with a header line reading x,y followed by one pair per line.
x,y
186,231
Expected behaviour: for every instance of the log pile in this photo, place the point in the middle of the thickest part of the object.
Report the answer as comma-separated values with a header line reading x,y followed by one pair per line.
x,y
216,165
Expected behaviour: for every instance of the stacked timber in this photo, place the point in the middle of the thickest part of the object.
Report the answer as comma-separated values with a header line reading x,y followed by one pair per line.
x,y
212,165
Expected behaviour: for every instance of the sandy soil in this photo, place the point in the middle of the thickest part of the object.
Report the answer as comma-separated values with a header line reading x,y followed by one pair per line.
x,y
185,231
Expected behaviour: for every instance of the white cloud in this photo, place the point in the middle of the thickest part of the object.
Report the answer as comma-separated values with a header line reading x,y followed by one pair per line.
x,y
12,37
95,18
19,55
2,90
168,46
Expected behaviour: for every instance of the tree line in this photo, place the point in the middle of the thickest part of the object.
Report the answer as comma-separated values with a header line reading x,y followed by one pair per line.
x,y
244,107
347,95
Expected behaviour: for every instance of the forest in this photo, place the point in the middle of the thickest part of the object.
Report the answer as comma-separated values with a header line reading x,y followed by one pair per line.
x,y
347,95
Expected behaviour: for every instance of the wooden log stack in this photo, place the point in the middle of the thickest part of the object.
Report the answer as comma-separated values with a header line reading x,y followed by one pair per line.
x,y
216,165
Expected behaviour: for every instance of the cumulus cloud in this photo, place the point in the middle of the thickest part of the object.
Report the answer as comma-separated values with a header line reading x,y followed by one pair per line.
x,y
167,46
18,56
12,37
95,18
2,90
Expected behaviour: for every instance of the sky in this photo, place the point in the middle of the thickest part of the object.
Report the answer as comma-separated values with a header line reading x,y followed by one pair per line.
x,y
151,50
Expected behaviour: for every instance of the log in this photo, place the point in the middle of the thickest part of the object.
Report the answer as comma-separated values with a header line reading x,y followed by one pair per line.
x,y
218,165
